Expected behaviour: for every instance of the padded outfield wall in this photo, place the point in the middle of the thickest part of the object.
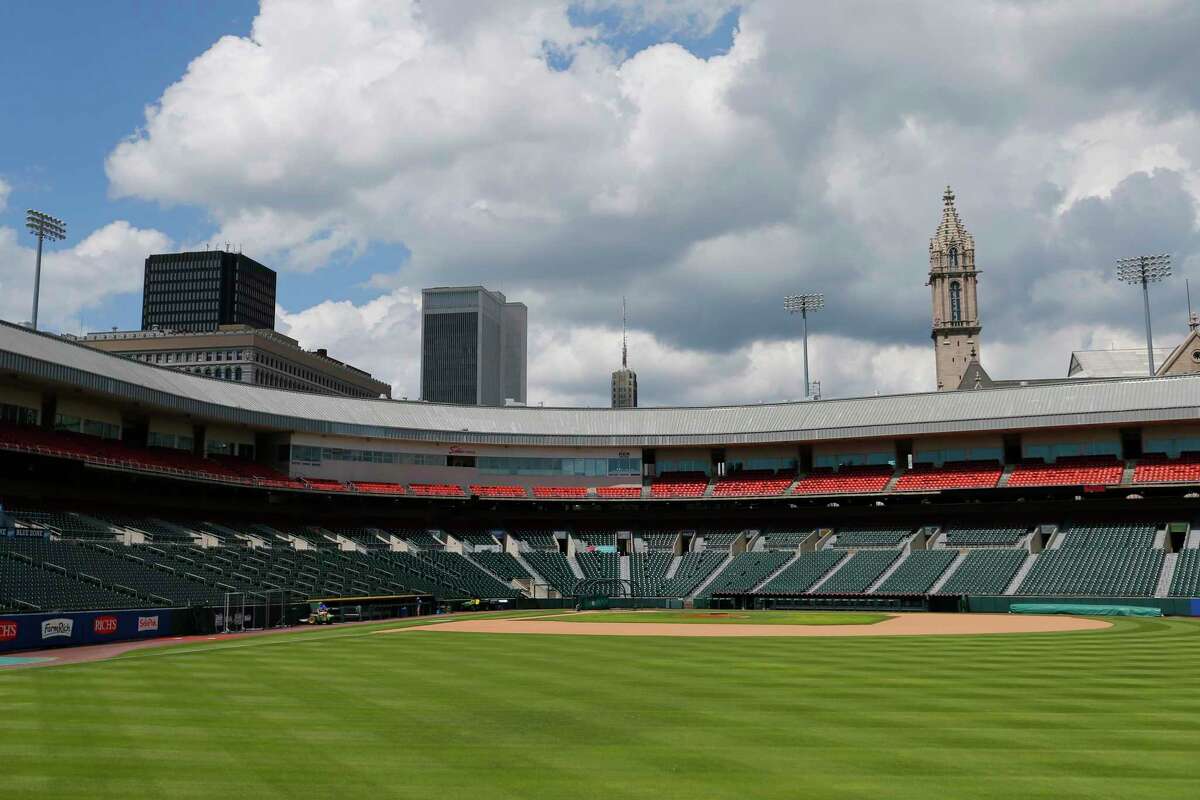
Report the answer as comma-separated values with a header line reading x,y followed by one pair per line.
x,y
70,628
1170,606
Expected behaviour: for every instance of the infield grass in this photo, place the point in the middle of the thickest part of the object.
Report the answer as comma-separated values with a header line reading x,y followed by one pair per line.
x,y
724,617
345,713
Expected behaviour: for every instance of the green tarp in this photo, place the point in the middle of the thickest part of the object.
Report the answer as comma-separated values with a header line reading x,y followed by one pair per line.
x,y
1084,609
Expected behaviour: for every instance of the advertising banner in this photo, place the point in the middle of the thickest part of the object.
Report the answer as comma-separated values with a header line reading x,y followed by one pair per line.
x,y
36,631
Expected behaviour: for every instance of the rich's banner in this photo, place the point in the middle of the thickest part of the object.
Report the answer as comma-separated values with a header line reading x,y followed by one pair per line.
x,y
36,631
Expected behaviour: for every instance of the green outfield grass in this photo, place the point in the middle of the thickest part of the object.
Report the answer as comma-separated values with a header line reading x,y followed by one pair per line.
x,y
726,617
345,713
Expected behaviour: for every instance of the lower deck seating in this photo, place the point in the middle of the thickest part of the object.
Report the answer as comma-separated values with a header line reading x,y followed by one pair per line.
x,y
718,539
871,537
1082,571
1186,580
857,574
648,573
1112,536
918,572
746,571
74,526
599,565
502,565
803,573
536,540
659,540
982,537
985,572
693,570
554,568
783,540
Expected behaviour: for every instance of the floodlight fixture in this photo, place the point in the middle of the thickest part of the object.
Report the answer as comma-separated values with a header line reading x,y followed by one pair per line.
x,y
802,304
43,226
1143,271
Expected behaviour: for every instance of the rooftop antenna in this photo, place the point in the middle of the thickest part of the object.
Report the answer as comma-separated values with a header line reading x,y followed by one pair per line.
x,y
624,338
1193,320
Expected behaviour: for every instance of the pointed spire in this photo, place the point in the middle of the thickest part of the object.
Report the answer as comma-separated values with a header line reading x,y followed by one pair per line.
x,y
624,338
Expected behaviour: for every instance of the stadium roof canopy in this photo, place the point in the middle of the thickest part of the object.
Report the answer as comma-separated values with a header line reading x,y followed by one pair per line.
x,y
48,359
1129,363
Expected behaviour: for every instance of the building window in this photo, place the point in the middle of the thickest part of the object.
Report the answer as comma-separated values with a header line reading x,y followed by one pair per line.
x,y
955,301
953,257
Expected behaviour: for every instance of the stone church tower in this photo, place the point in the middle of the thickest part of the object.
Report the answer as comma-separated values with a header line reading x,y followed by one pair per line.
x,y
952,277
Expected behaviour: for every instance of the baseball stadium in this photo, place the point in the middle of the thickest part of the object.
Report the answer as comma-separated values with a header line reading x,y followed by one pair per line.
x,y
210,588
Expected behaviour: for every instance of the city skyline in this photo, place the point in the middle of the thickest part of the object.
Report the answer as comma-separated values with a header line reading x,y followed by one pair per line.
x,y
1072,158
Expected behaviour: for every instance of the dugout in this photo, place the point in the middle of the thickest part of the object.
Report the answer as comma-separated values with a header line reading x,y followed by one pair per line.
x,y
834,602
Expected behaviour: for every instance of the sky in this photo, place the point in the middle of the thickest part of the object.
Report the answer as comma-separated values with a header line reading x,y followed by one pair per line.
x,y
702,158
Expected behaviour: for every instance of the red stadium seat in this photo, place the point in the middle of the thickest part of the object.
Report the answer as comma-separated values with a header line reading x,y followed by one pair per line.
x,y
509,492
1160,469
964,475
375,487
618,492
326,485
752,485
1069,472
436,490
680,484
560,492
847,480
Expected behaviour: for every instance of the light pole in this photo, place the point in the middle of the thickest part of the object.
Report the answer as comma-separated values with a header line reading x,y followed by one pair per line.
x,y
1145,270
804,303
43,226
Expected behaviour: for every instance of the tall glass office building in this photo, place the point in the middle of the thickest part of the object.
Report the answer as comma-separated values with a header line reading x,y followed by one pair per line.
x,y
473,347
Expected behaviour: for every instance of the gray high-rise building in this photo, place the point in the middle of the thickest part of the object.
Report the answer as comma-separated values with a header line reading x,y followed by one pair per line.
x,y
624,380
473,347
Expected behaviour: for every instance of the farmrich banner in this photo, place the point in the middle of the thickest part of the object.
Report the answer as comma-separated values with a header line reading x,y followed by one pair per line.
x,y
37,631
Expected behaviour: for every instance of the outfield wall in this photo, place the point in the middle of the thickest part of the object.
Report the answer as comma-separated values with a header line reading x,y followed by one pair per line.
x,y
66,629
1170,606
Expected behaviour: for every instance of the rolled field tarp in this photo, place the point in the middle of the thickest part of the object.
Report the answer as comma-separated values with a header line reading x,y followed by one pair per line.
x,y
1083,609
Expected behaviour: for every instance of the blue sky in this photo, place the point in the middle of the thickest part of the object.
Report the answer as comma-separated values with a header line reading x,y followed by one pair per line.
x,y
98,65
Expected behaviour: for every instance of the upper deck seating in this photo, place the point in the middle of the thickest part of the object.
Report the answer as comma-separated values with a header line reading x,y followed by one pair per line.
x,y
752,484
1068,472
618,492
679,484
560,492
435,490
503,492
962,475
847,480
377,487
1160,469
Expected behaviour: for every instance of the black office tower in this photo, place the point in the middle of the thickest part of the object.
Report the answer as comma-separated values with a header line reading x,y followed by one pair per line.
x,y
202,291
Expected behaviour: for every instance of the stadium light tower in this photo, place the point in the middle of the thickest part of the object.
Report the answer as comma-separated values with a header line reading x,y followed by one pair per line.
x,y
1145,270
804,303
43,226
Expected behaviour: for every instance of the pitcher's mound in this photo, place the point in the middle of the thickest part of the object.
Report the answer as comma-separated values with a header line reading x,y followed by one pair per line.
x,y
918,624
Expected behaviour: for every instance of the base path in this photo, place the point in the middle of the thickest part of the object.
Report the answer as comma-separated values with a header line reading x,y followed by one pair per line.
x,y
919,624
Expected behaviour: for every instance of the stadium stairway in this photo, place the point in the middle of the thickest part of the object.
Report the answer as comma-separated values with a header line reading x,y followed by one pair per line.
x,y
716,573
623,571
1005,475
891,484
1163,588
825,578
950,570
576,570
887,573
758,587
673,568
1019,578
1128,473
537,577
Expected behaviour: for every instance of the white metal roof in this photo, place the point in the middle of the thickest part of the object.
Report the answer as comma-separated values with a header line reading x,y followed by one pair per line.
x,y
48,358
1125,363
